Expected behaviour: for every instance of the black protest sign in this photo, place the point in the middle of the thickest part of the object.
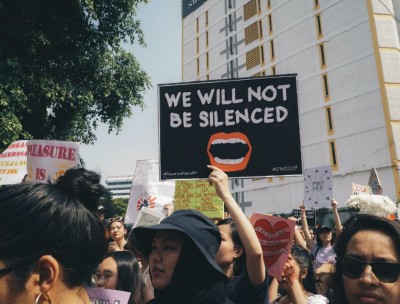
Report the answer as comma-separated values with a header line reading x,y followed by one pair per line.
x,y
310,216
247,127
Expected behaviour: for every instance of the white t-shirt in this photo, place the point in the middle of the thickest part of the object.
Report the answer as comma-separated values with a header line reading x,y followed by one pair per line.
x,y
324,255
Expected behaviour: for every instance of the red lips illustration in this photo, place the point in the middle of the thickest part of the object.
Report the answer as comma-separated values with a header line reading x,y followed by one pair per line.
x,y
227,140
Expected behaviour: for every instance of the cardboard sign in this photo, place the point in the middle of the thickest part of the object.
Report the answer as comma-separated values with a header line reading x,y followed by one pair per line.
x,y
49,159
310,216
148,217
375,183
248,127
200,196
276,238
356,189
318,190
147,191
13,163
107,296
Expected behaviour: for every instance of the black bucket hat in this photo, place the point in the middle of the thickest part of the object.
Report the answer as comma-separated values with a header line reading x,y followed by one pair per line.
x,y
197,227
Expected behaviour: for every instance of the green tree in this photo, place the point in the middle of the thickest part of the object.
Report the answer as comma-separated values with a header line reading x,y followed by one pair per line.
x,y
63,68
119,206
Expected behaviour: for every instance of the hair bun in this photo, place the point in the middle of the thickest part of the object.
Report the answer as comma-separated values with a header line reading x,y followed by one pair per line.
x,y
84,185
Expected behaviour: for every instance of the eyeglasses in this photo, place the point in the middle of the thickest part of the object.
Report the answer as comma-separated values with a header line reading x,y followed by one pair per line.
x,y
386,272
7,270
101,279
115,219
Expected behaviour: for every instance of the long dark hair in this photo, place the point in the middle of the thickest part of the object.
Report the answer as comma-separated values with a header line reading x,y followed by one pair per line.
x,y
353,225
128,277
56,219
240,263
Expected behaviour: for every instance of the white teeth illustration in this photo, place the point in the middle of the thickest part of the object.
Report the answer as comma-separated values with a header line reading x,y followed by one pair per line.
x,y
228,161
228,141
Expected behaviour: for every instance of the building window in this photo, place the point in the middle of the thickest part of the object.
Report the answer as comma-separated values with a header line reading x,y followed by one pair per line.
x,y
322,56
260,31
197,26
251,33
207,39
329,121
316,4
207,61
231,45
249,10
231,67
206,18
273,70
326,87
270,24
259,7
332,151
208,76
230,4
197,66
230,23
253,58
262,55
269,4
272,50
319,26
197,45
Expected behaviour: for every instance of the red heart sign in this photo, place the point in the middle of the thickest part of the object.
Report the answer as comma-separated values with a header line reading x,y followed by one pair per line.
x,y
274,240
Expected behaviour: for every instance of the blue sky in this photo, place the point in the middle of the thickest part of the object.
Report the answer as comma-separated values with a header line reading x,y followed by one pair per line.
x,y
112,154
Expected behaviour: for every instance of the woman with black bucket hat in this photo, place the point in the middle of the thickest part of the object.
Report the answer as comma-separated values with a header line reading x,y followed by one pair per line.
x,y
182,251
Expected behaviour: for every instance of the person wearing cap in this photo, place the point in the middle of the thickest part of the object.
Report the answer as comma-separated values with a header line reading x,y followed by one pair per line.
x,y
322,250
182,251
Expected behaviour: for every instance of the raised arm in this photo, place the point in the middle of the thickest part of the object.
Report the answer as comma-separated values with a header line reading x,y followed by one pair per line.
x,y
336,218
309,241
298,238
295,290
254,255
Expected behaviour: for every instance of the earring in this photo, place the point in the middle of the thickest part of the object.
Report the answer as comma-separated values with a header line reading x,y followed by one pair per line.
x,y
46,298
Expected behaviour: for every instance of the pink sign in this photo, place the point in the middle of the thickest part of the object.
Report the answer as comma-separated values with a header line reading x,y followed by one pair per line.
x,y
109,296
276,238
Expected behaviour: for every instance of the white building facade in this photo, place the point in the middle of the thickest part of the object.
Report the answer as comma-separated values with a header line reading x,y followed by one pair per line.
x,y
119,186
347,57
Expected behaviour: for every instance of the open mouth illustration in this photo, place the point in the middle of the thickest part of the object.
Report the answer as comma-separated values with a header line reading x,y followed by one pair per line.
x,y
229,151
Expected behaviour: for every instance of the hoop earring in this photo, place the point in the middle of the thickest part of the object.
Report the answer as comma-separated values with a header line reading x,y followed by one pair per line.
x,y
46,298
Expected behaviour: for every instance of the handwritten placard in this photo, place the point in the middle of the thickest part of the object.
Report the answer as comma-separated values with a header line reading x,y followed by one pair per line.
x,y
49,159
310,216
356,189
375,183
107,296
200,196
318,190
276,238
147,190
13,163
148,217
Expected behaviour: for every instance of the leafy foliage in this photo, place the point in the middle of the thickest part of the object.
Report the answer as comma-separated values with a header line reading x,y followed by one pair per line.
x,y
63,68
120,205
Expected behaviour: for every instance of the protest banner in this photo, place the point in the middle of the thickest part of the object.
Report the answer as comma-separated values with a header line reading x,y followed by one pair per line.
x,y
318,190
147,190
375,183
148,217
49,159
248,127
107,296
276,238
310,216
356,189
200,196
13,163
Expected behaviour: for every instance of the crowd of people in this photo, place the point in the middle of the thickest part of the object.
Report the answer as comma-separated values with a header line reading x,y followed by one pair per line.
x,y
53,247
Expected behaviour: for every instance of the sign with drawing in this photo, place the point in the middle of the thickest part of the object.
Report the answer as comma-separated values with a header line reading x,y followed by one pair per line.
x,y
248,127
318,189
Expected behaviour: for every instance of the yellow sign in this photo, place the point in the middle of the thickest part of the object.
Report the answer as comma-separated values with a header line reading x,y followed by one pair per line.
x,y
200,196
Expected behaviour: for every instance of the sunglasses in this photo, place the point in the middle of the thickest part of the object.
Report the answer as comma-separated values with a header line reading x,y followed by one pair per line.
x,y
386,272
115,219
